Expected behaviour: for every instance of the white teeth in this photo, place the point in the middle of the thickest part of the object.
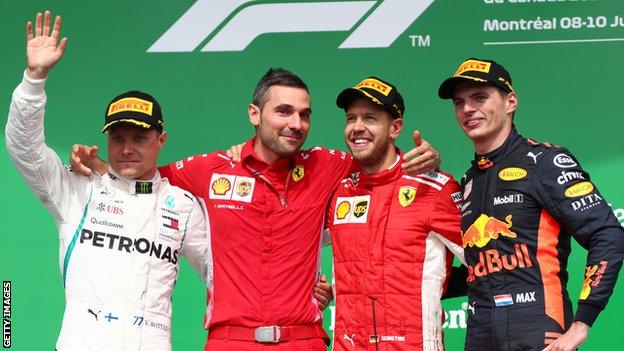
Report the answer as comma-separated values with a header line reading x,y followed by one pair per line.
x,y
360,141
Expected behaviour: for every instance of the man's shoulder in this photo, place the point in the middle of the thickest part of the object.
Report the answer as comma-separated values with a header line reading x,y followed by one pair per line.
x,y
434,180
205,162
546,156
320,152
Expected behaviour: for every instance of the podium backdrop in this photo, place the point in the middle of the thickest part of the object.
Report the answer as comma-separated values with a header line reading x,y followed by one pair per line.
x,y
202,59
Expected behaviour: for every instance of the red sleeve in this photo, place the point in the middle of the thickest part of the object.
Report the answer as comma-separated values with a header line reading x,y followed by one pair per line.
x,y
445,216
191,174
329,213
337,164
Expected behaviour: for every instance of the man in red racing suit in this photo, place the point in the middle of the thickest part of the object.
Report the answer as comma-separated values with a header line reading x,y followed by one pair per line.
x,y
391,233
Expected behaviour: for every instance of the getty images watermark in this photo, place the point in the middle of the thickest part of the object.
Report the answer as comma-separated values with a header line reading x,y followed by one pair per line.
x,y
6,314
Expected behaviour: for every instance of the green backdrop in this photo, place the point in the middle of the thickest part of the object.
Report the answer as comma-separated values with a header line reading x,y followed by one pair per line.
x,y
567,71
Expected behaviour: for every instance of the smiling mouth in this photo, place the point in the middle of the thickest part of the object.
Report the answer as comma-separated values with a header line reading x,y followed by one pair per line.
x,y
359,142
473,122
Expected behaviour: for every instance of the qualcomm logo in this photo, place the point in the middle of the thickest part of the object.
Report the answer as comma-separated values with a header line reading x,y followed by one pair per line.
x,y
241,22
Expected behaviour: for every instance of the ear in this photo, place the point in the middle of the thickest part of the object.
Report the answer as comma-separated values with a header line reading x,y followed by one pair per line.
x,y
512,103
161,140
254,114
396,125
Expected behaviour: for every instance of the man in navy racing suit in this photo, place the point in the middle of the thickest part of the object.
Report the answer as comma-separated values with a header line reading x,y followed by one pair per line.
x,y
522,202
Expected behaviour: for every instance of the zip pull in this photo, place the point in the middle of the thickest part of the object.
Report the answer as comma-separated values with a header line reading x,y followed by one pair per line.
x,y
374,339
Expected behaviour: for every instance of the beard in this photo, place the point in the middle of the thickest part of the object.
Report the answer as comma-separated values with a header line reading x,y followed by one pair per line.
x,y
280,147
373,156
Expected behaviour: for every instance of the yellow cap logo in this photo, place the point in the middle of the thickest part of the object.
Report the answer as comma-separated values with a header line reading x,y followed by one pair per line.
x,y
473,65
221,186
297,173
580,189
377,85
131,104
406,195
512,173
342,210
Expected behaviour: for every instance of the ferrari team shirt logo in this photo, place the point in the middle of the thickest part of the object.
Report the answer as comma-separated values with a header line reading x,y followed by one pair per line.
x,y
406,195
351,209
297,173
231,187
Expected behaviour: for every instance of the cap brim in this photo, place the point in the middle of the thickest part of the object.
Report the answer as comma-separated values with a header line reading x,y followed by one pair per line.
x,y
347,96
447,88
128,120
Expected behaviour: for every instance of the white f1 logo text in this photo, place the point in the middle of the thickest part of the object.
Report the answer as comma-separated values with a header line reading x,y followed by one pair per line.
x,y
379,30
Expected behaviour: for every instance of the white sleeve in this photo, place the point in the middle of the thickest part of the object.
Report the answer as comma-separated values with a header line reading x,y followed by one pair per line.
x,y
457,250
41,167
196,244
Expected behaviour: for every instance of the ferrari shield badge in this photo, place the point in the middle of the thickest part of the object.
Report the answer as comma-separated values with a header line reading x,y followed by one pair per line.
x,y
406,195
297,173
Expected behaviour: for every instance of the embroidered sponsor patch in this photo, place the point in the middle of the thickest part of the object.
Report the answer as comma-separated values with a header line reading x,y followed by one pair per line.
x,y
407,194
503,300
231,187
436,176
351,209
579,189
512,173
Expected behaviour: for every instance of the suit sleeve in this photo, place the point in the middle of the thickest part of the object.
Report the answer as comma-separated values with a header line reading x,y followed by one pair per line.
x,y
445,219
569,195
40,166
195,246
190,174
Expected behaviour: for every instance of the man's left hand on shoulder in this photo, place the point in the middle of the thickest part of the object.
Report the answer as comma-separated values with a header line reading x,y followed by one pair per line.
x,y
422,158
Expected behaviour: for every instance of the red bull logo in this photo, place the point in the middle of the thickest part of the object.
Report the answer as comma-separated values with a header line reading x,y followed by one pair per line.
x,y
479,234
486,228
492,261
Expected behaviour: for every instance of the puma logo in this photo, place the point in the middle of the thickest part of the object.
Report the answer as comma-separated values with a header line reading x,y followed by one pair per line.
x,y
349,339
472,307
533,156
93,313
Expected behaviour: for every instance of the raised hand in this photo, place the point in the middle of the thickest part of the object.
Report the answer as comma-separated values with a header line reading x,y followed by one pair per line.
x,y
43,48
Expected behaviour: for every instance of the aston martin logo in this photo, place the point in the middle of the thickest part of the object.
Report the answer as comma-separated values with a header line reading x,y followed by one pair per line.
x,y
406,195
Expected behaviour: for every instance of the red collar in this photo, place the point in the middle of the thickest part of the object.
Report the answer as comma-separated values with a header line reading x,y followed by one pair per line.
x,y
250,159
394,172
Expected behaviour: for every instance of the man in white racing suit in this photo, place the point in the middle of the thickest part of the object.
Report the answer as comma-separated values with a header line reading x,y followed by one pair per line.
x,y
121,234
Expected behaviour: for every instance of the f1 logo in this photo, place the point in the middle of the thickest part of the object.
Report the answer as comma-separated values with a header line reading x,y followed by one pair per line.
x,y
247,21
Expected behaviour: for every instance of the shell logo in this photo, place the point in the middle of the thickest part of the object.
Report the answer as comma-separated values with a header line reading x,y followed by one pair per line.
x,y
579,189
343,209
512,173
221,186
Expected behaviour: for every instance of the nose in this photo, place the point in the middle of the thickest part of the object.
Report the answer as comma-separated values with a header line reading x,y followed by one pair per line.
x,y
468,108
294,122
127,148
358,125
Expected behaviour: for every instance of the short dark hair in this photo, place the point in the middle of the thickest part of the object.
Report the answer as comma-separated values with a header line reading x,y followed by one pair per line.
x,y
276,76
